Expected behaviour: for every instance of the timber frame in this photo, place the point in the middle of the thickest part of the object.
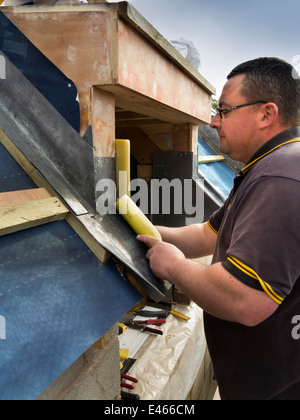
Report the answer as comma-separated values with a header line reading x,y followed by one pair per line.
x,y
131,82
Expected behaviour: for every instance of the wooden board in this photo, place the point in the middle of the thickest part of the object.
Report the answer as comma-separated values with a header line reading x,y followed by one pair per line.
x,y
24,196
144,69
16,217
210,159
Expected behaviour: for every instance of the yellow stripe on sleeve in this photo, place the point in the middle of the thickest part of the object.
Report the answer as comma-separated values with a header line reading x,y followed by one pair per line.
x,y
251,273
211,228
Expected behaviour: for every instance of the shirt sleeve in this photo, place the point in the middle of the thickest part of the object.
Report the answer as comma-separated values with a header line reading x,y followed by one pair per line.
x,y
265,241
215,220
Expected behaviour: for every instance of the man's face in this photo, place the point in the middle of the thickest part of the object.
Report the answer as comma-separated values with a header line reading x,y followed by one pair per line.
x,y
238,129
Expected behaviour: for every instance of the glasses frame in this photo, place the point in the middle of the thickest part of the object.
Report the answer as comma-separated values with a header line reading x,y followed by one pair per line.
x,y
221,112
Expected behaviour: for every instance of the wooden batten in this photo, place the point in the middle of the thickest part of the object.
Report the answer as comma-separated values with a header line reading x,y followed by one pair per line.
x,y
16,217
24,196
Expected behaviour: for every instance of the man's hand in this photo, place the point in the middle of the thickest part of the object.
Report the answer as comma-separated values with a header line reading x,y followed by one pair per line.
x,y
213,288
162,256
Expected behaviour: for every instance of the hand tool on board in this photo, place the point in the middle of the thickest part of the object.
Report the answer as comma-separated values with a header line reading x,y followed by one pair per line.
x,y
140,325
124,354
122,328
150,322
128,396
127,378
127,386
147,314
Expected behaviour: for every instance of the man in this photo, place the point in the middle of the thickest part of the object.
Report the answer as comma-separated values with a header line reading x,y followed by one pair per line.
x,y
251,293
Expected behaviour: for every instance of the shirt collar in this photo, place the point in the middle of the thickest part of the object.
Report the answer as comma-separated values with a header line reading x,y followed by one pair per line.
x,y
290,135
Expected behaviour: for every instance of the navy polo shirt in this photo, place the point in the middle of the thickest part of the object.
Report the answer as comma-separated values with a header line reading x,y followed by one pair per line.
x,y
258,242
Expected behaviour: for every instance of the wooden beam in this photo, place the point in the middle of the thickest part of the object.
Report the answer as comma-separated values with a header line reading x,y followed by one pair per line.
x,y
22,216
210,159
24,196
142,147
145,172
133,101
186,138
140,122
103,121
124,115
156,138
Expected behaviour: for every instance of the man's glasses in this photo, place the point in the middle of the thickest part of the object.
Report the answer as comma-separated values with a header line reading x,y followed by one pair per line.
x,y
225,111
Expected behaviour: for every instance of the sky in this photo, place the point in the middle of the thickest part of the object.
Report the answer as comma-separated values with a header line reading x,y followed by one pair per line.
x,y
228,32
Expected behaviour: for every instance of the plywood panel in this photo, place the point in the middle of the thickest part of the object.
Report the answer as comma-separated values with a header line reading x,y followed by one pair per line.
x,y
146,70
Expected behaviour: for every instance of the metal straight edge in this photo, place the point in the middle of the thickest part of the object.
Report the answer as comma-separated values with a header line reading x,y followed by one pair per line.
x,y
114,234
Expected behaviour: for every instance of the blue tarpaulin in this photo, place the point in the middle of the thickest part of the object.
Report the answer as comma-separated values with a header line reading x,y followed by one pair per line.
x,y
219,174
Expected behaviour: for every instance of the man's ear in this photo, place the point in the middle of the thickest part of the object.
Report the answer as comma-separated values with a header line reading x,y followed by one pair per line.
x,y
269,115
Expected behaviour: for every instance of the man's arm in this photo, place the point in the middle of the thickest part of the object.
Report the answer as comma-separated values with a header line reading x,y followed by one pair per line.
x,y
194,241
213,288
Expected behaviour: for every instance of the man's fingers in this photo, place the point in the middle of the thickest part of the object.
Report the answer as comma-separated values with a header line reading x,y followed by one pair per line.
x,y
148,240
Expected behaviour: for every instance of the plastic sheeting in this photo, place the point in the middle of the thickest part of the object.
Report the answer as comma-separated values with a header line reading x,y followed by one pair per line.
x,y
188,50
168,365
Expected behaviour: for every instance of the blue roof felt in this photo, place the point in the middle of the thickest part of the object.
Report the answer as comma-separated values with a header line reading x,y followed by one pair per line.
x,y
55,295
57,300
12,176
60,91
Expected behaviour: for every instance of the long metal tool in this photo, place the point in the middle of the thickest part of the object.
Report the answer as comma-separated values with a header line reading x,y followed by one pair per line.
x,y
67,163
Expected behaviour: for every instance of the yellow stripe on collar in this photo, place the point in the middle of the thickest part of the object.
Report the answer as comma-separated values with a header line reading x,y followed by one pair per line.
x,y
249,166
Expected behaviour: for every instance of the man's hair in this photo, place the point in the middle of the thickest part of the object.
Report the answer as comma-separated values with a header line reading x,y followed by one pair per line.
x,y
272,80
